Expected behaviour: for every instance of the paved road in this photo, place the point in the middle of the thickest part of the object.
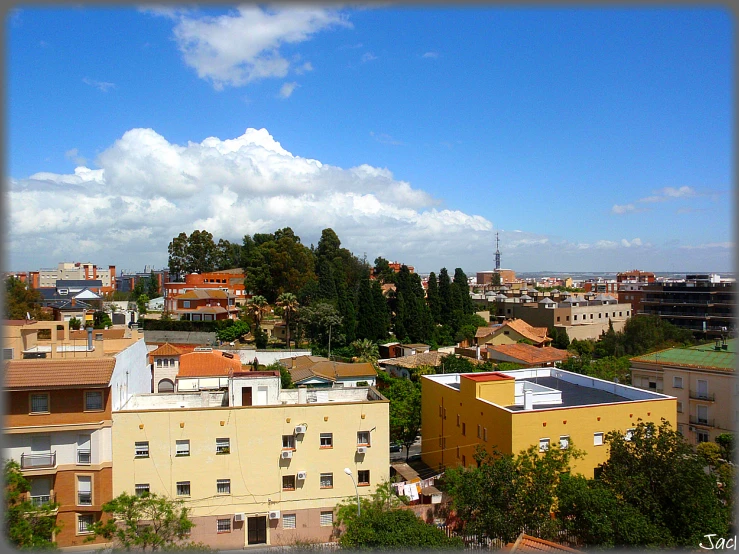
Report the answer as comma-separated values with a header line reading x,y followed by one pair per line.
x,y
400,456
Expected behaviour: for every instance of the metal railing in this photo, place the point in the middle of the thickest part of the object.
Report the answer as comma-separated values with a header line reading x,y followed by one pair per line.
x,y
695,395
84,499
701,421
36,461
84,457
41,499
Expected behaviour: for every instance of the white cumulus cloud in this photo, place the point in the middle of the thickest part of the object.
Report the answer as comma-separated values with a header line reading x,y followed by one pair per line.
x,y
287,89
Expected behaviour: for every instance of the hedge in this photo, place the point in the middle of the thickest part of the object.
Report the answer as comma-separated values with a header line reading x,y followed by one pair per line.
x,y
177,325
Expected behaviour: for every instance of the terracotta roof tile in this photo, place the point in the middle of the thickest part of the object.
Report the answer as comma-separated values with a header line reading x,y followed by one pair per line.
x,y
530,354
166,350
207,364
107,334
432,359
536,334
48,374
305,367
201,293
527,543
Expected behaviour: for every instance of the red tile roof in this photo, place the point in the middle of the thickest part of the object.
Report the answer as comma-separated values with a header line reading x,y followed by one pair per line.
x,y
527,543
165,350
207,364
49,374
483,377
535,334
529,354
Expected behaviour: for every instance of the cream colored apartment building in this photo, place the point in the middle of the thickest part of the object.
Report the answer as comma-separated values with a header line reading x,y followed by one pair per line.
x,y
702,379
270,473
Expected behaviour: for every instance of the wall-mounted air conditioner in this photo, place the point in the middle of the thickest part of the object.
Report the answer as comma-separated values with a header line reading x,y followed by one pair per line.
x,y
239,517
274,514
286,454
302,475
361,449
300,429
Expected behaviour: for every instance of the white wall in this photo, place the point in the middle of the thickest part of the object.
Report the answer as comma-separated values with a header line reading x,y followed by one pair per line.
x,y
265,357
272,384
64,443
131,375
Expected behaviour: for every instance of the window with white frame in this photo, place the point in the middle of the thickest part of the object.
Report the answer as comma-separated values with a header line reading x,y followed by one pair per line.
x,y
183,488
223,486
629,434
224,525
288,442
327,519
141,489
182,448
543,445
84,490
677,382
40,403
289,521
363,438
702,436
223,446
327,480
84,454
141,449
327,440
84,521
597,439
564,442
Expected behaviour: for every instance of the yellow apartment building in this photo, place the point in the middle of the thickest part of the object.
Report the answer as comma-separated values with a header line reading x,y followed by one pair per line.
x,y
268,472
702,379
513,410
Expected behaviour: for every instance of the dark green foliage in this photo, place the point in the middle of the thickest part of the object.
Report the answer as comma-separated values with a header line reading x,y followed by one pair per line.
x,y
101,320
413,319
27,527
382,270
181,325
384,525
318,320
260,338
21,300
433,298
405,411
461,299
233,332
75,324
559,337
141,303
445,296
286,381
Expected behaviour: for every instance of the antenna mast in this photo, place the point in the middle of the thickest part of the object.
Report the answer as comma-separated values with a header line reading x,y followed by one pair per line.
x,y
497,252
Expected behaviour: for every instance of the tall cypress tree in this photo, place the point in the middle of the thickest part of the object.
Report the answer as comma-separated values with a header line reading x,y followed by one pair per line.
x,y
445,295
326,282
432,294
382,312
366,316
462,300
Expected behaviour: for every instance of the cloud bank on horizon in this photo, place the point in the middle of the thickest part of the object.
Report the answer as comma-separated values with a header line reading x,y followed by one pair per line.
x,y
147,190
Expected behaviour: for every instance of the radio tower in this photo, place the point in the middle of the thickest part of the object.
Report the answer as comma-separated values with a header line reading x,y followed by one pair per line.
x,y
497,252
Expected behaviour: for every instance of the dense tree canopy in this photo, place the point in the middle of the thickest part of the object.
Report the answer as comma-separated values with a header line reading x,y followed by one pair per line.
x,y
27,526
22,300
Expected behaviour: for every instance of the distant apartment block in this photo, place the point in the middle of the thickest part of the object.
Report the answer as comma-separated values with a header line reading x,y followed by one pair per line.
x,y
541,407
702,379
635,276
126,281
507,276
230,281
255,464
76,271
701,303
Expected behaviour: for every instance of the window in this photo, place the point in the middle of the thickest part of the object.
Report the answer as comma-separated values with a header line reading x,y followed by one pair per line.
x,y
652,385
620,314
457,451
591,316
185,303
171,362
543,445
485,434
363,477
142,449
574,318
679,407
598,439
600,315
629,434
7,353
464,429
223,486
142,489
327,440
564,442
567,318
40,403
702,436
183,448
479,431
677,382
363,437
183,488
458,420
464,461
557,319
680,428
327,480
702,413
289,521
223,446
288,482
288,442
627,313
159,362
224,525
84,521
327,518
84,490
83,449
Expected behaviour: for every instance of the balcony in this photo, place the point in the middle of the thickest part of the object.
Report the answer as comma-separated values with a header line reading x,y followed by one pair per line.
x,y
701,421
41,499
38,461
694,395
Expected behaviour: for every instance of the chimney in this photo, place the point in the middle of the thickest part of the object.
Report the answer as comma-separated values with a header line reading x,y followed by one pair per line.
x,y
528,399
302,394
74,301
477,352
89,338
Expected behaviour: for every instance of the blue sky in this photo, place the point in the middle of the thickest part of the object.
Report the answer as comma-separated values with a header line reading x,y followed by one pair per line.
x,y
590,139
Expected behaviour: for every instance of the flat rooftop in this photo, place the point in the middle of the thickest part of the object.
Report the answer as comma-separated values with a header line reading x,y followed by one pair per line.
x,y
572,394
701,356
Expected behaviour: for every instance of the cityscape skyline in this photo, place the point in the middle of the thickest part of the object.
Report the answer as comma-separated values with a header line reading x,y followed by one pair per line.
x,y
590,139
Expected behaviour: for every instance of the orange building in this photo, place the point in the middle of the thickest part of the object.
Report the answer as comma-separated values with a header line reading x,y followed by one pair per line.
x,y
230,281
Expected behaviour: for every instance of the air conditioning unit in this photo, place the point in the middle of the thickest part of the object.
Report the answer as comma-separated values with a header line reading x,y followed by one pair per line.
x,y
286,454
275,514
239,517
302,475
300,429
361,449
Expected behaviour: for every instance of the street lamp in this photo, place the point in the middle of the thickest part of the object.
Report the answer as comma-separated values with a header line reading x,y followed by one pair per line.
x,y
349,473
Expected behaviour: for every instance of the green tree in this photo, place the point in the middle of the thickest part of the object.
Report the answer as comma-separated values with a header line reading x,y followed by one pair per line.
x,y
27,526
382,270
141,302
507,494
101,320
21,300
233,332
405,412
320,319
286,380
560,339
445,296
200,252
75,324
255,308
366,351
382,313
228,255
288,305
177,257
366,316
383,525
657,473
149,522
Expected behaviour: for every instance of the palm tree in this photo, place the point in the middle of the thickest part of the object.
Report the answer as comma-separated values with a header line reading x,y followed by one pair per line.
x,y
256,307
289,304
367,351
